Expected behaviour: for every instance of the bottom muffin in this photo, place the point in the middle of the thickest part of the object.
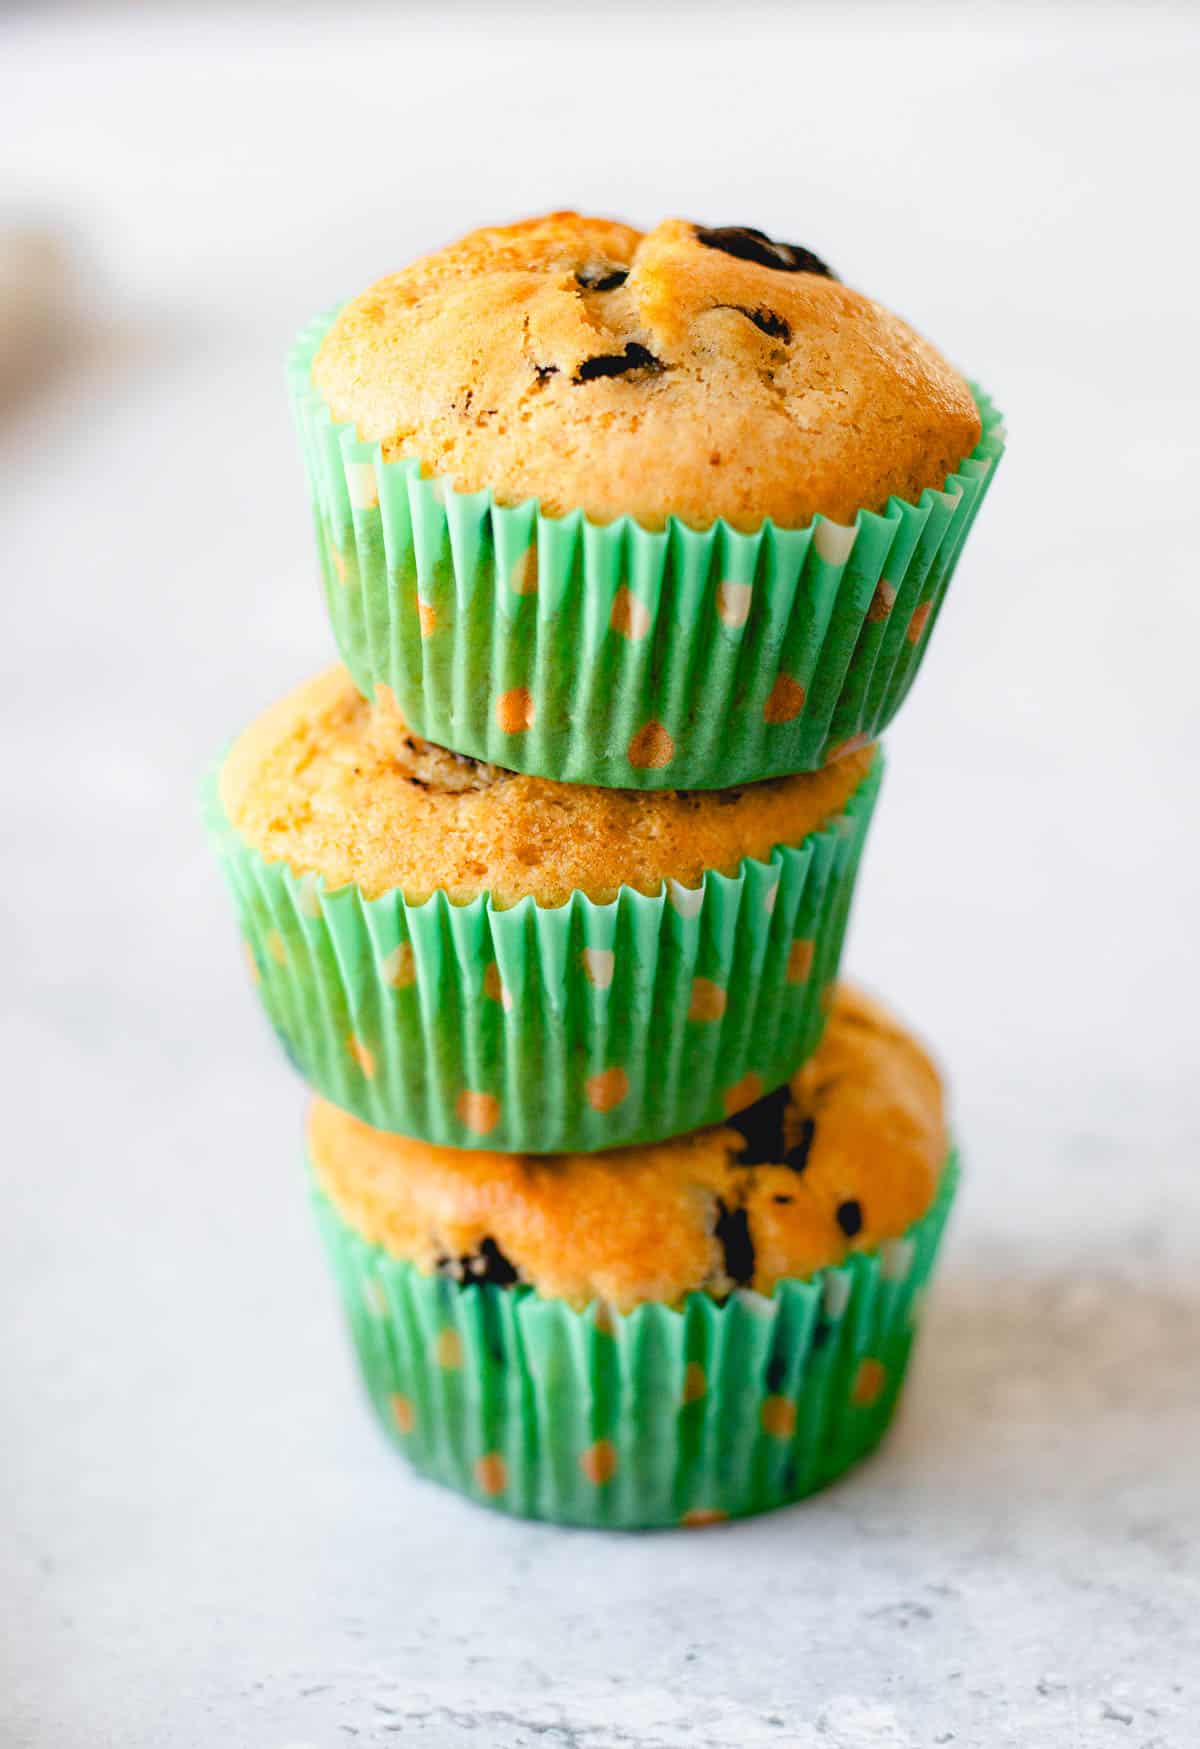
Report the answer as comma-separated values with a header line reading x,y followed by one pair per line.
x,y
668,1334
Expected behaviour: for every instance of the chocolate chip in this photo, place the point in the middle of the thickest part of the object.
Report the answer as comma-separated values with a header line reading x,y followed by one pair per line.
x,y
618,364
600,276
747,244
544,372
732,1232
766,321
783,1199
488,1266
849,1217
762,1126
797,1155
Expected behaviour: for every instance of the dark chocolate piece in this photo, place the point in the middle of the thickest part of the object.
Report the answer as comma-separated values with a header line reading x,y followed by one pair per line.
x,y
619,364
732,1231
600,276
797,1155
487,1265
762,1126
849,1217
766,321
747,244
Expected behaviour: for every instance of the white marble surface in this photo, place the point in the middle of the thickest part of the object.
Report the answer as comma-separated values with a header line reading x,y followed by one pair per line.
x,y
204,1541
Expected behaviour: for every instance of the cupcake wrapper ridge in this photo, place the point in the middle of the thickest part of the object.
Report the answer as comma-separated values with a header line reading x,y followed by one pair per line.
x,y
656,1417
531,1029
615,654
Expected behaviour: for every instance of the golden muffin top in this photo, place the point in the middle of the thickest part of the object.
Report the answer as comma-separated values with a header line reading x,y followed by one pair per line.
x,y
843,1159
336,786
686,371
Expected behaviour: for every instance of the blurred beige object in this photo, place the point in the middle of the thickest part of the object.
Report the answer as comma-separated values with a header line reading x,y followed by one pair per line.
x,y
35,299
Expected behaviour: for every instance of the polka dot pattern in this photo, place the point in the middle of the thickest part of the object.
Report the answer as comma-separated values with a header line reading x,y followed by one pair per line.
x,y
515,711
362,486
651,748
918,622
599,1462
363,1055
695,1382
707,1000
800,960
448,1350
699,1516
882,602
338,560
599,965
426,618
400,967
686,900
523,578
375,1298
833,541
491,1473
868,1384
606,1090
785,700
251,963
479,1112
496,989
779,1417
630,618
743,1093
403,1415
733,604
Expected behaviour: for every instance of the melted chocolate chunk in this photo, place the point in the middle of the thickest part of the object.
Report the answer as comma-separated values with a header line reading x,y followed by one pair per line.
x,y
849,1217
600,276
487,1265
766,321
732,1231
762,1126
618,364
797,1155
544,372
747,244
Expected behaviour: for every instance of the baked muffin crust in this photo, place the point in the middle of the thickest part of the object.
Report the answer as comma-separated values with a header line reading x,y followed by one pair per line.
x,y
335,786
697,372
843,1159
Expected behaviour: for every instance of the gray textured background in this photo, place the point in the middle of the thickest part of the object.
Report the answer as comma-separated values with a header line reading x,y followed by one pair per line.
x,y
204,1541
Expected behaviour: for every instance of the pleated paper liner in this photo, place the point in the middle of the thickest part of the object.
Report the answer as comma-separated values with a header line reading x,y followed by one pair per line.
x,y
613,654
657,1417
543,1030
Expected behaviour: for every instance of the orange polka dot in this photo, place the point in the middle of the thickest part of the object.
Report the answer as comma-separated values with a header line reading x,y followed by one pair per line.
x,y
426,618
699,1516
733,603
882,602
251,963
515,711
448,1350
630,617
918,622
491,1473
402,1413
599,964
603,1319
479,1111
606,1090
695,1382
495,987
651,748
338,559
399,967
800,960
599,1462
708,1000
363,1056
523,578
869,1381
276,948
743,1093
779,1417
784,701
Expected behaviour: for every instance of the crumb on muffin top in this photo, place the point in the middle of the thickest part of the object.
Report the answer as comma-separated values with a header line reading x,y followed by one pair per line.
x,y
337,787
688,371
844,1158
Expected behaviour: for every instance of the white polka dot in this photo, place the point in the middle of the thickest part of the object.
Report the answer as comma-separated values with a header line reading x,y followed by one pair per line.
x,y
599,964
833,541
836,1295
895,1259
362,485
308,898
733,603
686,900
630,617
437,491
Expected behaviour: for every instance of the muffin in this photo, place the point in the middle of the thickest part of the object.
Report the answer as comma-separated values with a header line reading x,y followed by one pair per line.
x,y
484,959
666,1334
690,496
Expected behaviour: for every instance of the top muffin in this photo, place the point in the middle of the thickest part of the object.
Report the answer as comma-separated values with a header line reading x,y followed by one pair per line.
x,y
694,372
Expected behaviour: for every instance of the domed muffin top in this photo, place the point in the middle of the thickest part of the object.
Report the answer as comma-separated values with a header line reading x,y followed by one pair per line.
x,y
337,787
844,1158
687,371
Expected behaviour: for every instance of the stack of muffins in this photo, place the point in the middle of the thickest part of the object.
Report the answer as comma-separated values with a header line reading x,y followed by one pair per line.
x,y
632,544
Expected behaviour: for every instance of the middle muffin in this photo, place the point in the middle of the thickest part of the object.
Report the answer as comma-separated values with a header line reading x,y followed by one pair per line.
x,y
483,959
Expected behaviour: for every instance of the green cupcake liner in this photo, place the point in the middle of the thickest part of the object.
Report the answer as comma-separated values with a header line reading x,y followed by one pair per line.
x,y
539,1030
657,1417
613,654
